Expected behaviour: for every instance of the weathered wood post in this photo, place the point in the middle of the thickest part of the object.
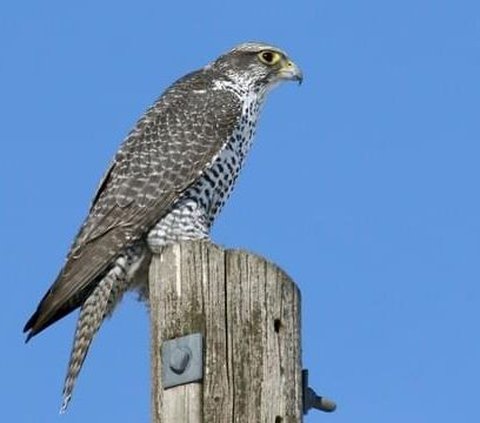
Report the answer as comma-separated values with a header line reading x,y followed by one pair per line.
x,y
248,313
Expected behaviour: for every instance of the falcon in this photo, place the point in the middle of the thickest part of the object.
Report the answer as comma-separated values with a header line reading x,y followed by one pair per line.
x,y
166,184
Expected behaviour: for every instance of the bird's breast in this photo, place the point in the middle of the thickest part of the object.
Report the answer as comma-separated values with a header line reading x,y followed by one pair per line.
x,y
192,215
217,182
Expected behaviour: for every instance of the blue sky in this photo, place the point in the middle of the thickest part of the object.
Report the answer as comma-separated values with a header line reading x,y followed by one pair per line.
x,y
362,184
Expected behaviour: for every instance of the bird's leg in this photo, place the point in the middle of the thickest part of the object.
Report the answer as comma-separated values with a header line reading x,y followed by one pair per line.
x,y
98,305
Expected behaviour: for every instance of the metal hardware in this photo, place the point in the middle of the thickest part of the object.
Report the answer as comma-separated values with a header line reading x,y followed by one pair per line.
x,y
312,400
182,360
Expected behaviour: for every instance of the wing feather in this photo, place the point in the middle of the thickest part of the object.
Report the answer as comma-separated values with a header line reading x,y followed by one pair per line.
x,y
175,141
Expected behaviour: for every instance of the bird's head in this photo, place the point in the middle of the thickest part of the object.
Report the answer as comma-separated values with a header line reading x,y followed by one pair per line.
x,y
257,65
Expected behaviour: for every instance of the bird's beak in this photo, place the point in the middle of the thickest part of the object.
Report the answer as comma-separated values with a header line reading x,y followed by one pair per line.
x,y
291,72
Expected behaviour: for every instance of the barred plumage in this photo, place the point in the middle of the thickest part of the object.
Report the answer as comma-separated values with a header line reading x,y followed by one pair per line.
x,y
167,183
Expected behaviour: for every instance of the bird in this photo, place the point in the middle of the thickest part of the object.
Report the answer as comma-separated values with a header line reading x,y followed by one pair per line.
x,y
167,183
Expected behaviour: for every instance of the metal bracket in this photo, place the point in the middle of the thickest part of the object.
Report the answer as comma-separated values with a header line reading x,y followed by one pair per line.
x,y
182,360
312,400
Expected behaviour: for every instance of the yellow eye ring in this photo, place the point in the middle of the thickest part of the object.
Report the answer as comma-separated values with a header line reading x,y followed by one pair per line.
x,y
269,57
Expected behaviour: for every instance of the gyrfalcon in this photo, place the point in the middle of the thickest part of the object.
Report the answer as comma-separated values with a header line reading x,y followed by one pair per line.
x,y
167,183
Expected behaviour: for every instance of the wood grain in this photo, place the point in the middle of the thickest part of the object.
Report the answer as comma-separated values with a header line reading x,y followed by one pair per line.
x,y
248,311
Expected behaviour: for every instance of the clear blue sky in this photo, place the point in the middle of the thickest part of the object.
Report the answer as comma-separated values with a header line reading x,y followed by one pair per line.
x,y
363,185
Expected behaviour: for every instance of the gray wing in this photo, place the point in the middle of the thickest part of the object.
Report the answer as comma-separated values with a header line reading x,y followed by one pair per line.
x,y
166,152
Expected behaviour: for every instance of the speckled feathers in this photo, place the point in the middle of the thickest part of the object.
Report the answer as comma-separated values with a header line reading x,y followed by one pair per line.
x,y
167,150
167,183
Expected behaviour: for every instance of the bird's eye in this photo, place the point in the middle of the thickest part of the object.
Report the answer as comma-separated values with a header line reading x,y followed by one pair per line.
x,y
269,57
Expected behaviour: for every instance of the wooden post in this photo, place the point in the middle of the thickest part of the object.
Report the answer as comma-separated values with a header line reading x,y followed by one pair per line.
x,y
248,311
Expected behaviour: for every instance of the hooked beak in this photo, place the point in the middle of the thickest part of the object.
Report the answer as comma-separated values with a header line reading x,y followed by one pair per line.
x,y
291,72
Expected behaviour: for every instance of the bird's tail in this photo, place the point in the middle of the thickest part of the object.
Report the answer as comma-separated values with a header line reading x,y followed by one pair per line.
x,y
97,306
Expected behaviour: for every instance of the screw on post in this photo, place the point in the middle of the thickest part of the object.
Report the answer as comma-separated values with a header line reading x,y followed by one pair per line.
x,y
312,400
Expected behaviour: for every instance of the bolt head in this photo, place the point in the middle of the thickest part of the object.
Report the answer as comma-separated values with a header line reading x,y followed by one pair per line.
x,y
179,359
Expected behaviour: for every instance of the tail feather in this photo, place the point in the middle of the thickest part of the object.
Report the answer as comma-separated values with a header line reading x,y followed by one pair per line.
x,y
94,310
